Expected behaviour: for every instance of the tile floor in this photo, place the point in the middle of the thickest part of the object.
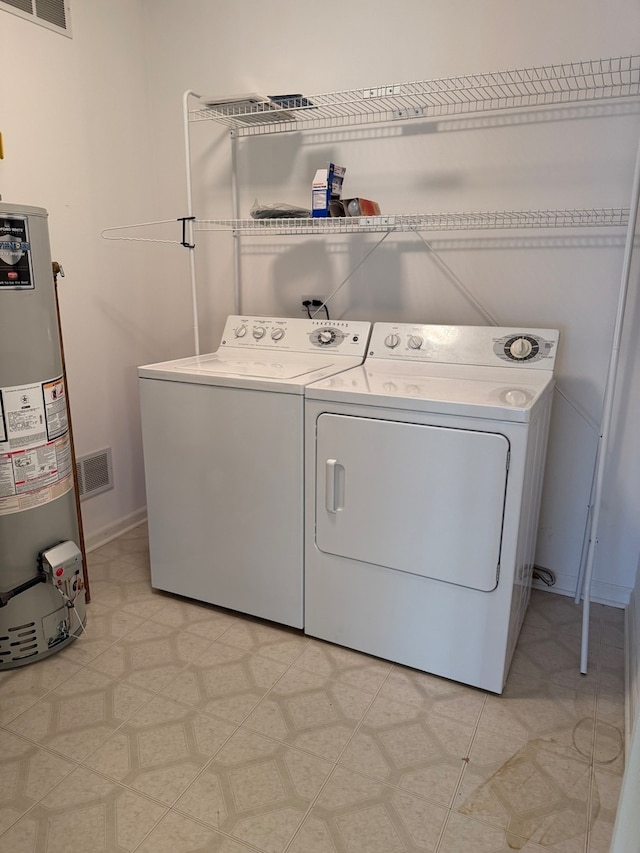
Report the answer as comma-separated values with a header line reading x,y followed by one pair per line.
x,y
174,727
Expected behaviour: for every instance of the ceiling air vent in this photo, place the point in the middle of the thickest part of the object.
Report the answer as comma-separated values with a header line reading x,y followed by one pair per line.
x,y
53,14
95,473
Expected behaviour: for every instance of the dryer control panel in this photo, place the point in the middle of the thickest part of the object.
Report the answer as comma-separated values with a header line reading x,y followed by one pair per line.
x,y
476,345
294,334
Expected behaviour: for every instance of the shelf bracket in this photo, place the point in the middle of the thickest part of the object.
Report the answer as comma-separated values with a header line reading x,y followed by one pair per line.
x,y
183,242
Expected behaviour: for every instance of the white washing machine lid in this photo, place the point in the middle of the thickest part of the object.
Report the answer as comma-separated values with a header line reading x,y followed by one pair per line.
x,y
496,393
286,373
271,354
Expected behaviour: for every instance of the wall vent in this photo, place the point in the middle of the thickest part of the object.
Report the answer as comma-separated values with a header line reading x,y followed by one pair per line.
x,y
95,473
53,14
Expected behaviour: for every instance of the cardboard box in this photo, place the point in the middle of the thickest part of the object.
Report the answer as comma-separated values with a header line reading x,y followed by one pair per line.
x,y
326,186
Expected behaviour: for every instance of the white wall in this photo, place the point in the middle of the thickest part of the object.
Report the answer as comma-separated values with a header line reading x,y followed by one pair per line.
x,y
76,135
94,133
563,280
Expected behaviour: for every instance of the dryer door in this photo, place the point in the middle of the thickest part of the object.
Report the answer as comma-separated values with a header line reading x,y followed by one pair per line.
x,y
416,498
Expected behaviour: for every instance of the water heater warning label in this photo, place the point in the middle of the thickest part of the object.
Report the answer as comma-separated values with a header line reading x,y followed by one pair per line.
x,y
15,254
35,448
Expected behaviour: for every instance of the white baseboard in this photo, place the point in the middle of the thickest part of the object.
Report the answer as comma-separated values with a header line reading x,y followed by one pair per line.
x,y
112,531
601,593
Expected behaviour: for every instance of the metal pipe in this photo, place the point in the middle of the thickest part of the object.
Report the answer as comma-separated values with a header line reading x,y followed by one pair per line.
x,y
189,238
609,400
235,199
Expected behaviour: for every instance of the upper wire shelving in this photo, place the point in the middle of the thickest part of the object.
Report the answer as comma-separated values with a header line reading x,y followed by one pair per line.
x,y
463,221
547,85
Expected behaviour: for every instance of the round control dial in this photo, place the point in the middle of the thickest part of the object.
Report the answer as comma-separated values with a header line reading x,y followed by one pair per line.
x,y
259,332
392,341
277,334
240,331
521,348
327,336
415,341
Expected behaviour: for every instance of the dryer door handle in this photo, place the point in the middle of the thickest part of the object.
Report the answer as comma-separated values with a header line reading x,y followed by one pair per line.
x,y
334,485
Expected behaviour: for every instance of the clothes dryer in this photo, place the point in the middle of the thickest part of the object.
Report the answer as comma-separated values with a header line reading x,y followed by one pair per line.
x,y
223,438
424,476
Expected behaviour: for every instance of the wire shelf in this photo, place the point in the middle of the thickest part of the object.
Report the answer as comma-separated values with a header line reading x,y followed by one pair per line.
x,y
590,80
495,220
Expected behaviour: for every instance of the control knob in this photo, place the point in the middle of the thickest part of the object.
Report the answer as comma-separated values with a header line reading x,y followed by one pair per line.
x,y
415,341
240,331
520,348
259,332
277,334
325,336
392,341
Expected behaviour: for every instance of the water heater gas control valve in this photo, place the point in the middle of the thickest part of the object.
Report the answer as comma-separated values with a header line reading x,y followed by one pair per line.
x,y
61,562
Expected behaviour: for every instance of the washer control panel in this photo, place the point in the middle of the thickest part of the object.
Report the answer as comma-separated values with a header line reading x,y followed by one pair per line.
x,y
480,345
523,346
292,334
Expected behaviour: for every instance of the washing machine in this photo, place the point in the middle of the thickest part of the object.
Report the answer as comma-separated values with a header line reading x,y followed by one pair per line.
x,y
424,475
223,440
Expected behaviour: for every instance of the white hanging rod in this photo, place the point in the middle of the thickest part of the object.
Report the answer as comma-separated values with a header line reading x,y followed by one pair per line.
x,y
107,233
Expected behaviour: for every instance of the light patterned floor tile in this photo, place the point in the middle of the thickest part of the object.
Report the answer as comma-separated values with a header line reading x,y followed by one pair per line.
x,y
84,813
558,614
22,687
134,541
256,790
151,655
124,558
464,835
310,712
104,627
604,805
177,833
79,714
524,787
554,658
528,792
613,631
103,569
27,773
608,751
553,717
610,712
275,641
355,814
226,681
340,664
400,744
140,561
432,693
129,594
194,617
161,749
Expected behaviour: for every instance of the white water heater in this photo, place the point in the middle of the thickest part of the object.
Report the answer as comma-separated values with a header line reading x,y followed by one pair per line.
x,y
42,596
